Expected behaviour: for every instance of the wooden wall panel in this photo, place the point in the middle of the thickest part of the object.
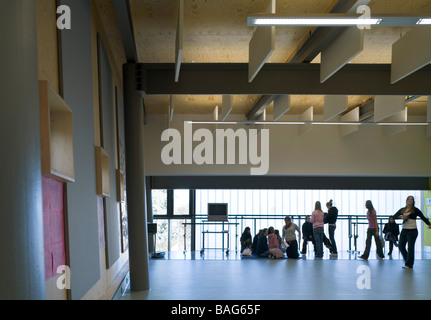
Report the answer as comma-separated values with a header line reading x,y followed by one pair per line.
x,y
112,214
47,42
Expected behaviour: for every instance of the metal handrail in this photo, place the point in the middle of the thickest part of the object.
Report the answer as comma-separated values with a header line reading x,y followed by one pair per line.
x,y
353,222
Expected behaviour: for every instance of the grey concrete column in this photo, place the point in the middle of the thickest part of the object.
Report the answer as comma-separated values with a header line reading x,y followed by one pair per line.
x,y
136,190
22,272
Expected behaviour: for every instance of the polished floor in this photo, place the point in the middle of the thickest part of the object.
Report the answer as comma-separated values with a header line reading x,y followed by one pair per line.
x,y
214,276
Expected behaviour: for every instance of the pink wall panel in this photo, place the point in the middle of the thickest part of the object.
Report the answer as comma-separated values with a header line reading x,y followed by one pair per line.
x,y
53,223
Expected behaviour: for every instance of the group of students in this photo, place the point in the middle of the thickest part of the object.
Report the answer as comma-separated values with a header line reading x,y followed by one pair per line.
x,y
269,243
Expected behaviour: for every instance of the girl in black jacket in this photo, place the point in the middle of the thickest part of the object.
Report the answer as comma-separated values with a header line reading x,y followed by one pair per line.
x,y
331,219
410,232
391,231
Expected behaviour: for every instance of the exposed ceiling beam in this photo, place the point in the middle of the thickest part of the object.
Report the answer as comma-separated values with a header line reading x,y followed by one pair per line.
x,y
412,98
290,182
260,107
321,37
366,110
125,24
318,40
279,79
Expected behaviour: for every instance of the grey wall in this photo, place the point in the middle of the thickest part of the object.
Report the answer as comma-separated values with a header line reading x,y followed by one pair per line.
x,y
112,214
21,227
81,195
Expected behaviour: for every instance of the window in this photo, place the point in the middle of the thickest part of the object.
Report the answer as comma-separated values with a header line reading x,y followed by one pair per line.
x,y
172,203
173,211
160,202
259,209
181,200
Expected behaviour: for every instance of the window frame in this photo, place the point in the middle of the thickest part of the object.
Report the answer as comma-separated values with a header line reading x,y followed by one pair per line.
x,y
170,206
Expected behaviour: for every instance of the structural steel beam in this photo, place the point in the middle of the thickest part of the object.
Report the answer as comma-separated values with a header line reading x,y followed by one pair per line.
x,y
122,11
286,182
322,36
279,79
260,107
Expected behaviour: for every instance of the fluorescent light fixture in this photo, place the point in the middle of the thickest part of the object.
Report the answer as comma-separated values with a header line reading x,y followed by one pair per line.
x,y
311,123
314,22
424,22
337,20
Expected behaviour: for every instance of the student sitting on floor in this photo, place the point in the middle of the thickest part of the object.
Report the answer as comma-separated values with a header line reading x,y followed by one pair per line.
x,y
246,242
279,238
255,241
274,245
262,249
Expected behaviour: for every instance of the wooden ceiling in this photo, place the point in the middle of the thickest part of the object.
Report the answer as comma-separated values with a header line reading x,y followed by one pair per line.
x,y
215,31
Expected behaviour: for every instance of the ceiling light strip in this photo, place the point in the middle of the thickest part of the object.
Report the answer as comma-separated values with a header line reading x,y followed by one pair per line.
x,y
314,22
311,123
426,21
340,20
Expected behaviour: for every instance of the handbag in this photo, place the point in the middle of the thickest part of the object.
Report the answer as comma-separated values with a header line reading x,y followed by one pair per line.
x,y
277,253
247,252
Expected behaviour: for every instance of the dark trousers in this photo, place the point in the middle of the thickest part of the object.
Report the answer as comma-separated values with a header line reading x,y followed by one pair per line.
x,y
391,239
304,244
318,237
331,229
292,251
371,232
408,237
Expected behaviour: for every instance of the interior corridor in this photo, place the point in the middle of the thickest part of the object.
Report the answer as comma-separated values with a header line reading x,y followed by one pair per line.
x,y
174,278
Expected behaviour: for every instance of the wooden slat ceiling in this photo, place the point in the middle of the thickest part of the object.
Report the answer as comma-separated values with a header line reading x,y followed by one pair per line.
x,y
215,31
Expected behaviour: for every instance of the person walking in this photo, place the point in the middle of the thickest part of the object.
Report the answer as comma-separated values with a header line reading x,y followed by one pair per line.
x,y
409,232
373,230
317,220
331,219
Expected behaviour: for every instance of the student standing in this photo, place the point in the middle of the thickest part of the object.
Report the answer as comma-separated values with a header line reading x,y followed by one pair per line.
x,y
289,236
391,232
307,234
331,219
409,233
373,230
317,220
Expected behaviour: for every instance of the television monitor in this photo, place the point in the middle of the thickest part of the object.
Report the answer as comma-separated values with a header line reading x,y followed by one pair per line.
x,y
217,212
